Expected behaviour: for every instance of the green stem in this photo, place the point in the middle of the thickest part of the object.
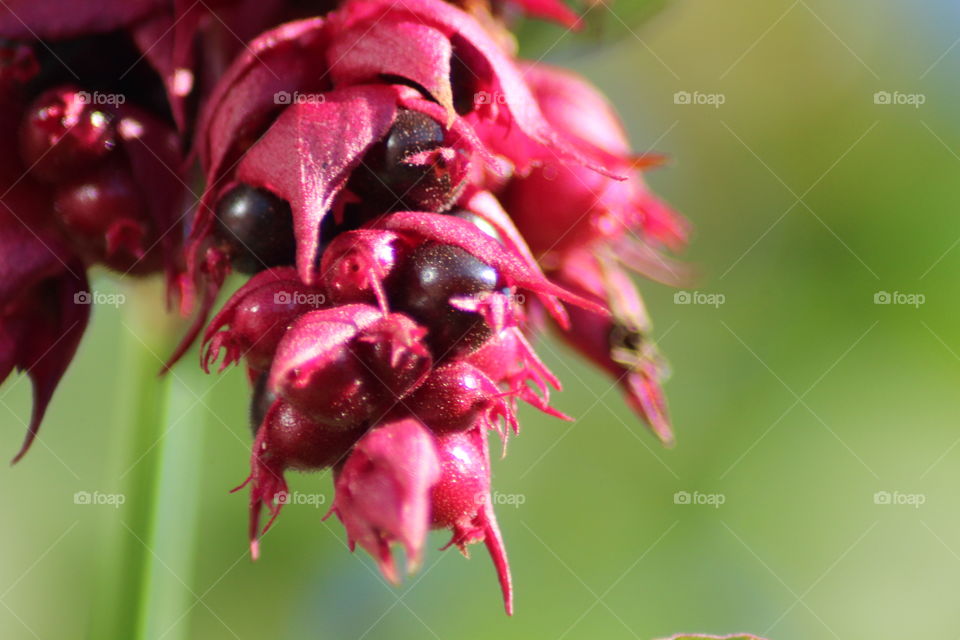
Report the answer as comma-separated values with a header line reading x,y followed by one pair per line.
x,y
165,591
146,560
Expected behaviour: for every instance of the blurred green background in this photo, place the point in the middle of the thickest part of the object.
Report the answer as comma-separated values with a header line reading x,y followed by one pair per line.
x,y
796,400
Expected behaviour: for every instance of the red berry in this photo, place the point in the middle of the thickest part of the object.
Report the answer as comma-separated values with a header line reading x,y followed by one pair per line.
x,y
102,214
62,134
454,397
356,263
258,317
295,441
464,480
388,178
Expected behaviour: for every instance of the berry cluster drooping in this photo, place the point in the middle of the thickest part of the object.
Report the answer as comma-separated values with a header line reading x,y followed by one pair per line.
x,y
410,204
394,337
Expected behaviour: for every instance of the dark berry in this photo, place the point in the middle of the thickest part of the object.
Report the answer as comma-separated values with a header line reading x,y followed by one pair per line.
x,y
388,181
255,227
433,274
348,365
411,133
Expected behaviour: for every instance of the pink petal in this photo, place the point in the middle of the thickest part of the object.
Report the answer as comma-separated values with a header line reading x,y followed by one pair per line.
x,y
282,59
307,155
520,116
393,46
383,491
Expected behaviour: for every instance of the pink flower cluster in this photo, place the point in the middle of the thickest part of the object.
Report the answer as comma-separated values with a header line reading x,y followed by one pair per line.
x,y
412,204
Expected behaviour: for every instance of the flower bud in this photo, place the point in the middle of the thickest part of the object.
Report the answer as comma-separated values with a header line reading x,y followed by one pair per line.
x,y
348,365
586,206
460,500
287,439
383,491
620,343
257,316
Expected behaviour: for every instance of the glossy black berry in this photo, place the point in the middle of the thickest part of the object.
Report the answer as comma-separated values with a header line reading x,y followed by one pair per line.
x,y
255,228
386,181
432,275
411,133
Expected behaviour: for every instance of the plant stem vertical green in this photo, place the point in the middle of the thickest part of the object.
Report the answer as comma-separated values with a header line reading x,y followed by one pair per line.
x,y
146,557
